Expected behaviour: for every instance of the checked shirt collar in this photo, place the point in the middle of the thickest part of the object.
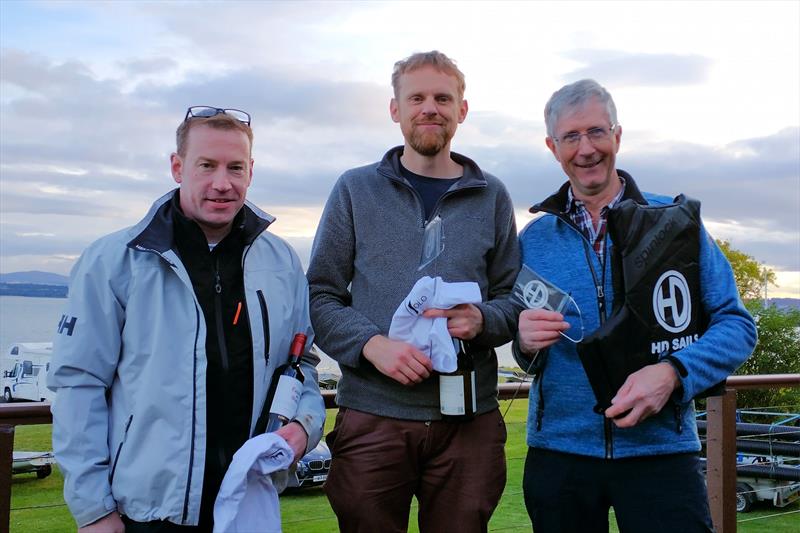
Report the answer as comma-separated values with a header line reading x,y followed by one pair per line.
x,y
580,217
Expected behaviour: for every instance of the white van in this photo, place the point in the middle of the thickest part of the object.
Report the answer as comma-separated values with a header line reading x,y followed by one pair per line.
x,y
25,367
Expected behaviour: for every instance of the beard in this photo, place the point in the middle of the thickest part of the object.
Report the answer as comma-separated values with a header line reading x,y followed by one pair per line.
x,y
428,143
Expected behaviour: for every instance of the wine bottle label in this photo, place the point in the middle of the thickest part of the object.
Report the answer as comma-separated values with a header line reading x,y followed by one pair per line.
x,y
457,394
287,396
451,395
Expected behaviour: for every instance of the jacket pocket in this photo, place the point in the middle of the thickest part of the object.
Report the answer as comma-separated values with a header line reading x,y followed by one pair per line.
x,y
262,303
119,450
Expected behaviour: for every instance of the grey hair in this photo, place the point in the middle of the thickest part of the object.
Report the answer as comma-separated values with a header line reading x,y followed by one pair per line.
x,y
575,95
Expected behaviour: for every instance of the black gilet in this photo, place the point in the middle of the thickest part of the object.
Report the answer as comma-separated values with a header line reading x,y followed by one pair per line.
x,y
657,301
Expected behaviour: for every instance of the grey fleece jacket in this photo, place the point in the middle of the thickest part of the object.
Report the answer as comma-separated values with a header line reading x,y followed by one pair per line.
x,y
364,262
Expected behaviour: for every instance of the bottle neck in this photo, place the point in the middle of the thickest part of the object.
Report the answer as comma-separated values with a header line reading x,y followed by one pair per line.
x,y
462,349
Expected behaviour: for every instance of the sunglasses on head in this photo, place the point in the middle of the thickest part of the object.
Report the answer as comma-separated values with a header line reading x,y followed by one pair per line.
x,y
203,111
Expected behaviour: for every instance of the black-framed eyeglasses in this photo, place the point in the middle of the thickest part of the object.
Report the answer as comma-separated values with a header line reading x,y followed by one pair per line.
x,y
204,111
593,134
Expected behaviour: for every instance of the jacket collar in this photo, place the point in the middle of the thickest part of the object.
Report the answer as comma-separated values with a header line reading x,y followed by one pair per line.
x,y
472,177
156,230
556,203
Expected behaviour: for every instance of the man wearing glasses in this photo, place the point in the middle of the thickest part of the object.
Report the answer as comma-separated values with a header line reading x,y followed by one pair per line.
x,y
638,455
390,442
175,328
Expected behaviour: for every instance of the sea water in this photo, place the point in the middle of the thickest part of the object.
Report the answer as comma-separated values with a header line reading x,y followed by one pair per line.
x,y
27,319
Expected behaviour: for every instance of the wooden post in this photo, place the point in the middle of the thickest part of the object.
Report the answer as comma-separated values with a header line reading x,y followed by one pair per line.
x,y
721,460
6,459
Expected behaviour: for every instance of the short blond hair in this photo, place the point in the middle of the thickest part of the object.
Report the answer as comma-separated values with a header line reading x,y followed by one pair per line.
x,y
434,59
219,122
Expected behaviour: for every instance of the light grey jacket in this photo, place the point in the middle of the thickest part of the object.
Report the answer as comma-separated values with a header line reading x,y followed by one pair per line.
x,y
364,263
129,368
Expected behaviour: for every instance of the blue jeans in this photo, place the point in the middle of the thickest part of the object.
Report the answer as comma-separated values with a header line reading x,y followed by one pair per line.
x,y
573,493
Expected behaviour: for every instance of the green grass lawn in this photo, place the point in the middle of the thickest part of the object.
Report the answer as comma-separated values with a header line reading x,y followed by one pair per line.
x,y
38,506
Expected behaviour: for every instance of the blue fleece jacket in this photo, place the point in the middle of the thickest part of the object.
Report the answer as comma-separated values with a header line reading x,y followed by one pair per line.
x,y
556,249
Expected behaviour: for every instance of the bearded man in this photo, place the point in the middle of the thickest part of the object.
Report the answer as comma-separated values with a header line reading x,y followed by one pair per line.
x,y
390,443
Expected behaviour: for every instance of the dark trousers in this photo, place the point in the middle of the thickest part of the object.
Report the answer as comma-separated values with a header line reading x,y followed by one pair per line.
x,y
457,472
572,493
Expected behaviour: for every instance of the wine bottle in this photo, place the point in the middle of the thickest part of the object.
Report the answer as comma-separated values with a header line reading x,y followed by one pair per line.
x,y
285,390
457,399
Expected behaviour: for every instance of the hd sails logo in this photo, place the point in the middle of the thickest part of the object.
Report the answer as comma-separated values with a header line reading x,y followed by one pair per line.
x,y
535,294
672,302
672,307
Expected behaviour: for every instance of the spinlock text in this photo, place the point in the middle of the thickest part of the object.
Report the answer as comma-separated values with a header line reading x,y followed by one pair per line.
x,y
641,259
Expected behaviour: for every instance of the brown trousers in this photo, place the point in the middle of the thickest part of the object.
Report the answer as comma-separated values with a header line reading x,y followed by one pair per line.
x,y
457,471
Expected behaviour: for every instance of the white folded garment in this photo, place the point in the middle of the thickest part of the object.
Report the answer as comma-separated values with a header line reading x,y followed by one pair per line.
x,y
248,500
429,335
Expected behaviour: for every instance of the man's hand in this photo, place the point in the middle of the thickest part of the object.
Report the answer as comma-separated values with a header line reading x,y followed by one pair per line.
x,y
297,438
539,328
464,321
644,393
110,523
398,360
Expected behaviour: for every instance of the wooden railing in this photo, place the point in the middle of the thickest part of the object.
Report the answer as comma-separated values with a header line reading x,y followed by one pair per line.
x,y
721,441
721,444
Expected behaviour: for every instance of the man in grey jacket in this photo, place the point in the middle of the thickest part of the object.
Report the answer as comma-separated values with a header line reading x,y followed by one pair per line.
x,y
169,342
390,442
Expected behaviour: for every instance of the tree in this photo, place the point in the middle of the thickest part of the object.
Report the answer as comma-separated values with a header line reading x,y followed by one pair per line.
x,y
778,348
749,275
777,352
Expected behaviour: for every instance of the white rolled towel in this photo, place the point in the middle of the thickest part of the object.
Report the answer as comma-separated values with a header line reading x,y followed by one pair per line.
x,y
429,335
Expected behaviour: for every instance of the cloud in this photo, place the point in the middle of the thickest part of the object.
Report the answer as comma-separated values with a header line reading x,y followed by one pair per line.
x,y
83,151
54,205
306,130
748,179
271,96
148,65
624,69
753,181
293,35
17,241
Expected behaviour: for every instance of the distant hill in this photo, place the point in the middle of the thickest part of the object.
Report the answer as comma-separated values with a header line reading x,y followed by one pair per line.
x,y
35,277
34,283
786,303
39,290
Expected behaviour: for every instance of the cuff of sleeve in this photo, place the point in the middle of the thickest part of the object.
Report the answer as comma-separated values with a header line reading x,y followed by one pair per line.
x,y
681,394
486,337
308,431
89,516
523,360
361,342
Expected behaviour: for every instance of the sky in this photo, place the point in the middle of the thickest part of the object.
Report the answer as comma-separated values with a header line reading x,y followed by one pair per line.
x,y
707,95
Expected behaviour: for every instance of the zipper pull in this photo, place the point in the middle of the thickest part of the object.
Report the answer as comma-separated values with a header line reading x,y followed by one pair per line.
x,y
218,284
601,302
